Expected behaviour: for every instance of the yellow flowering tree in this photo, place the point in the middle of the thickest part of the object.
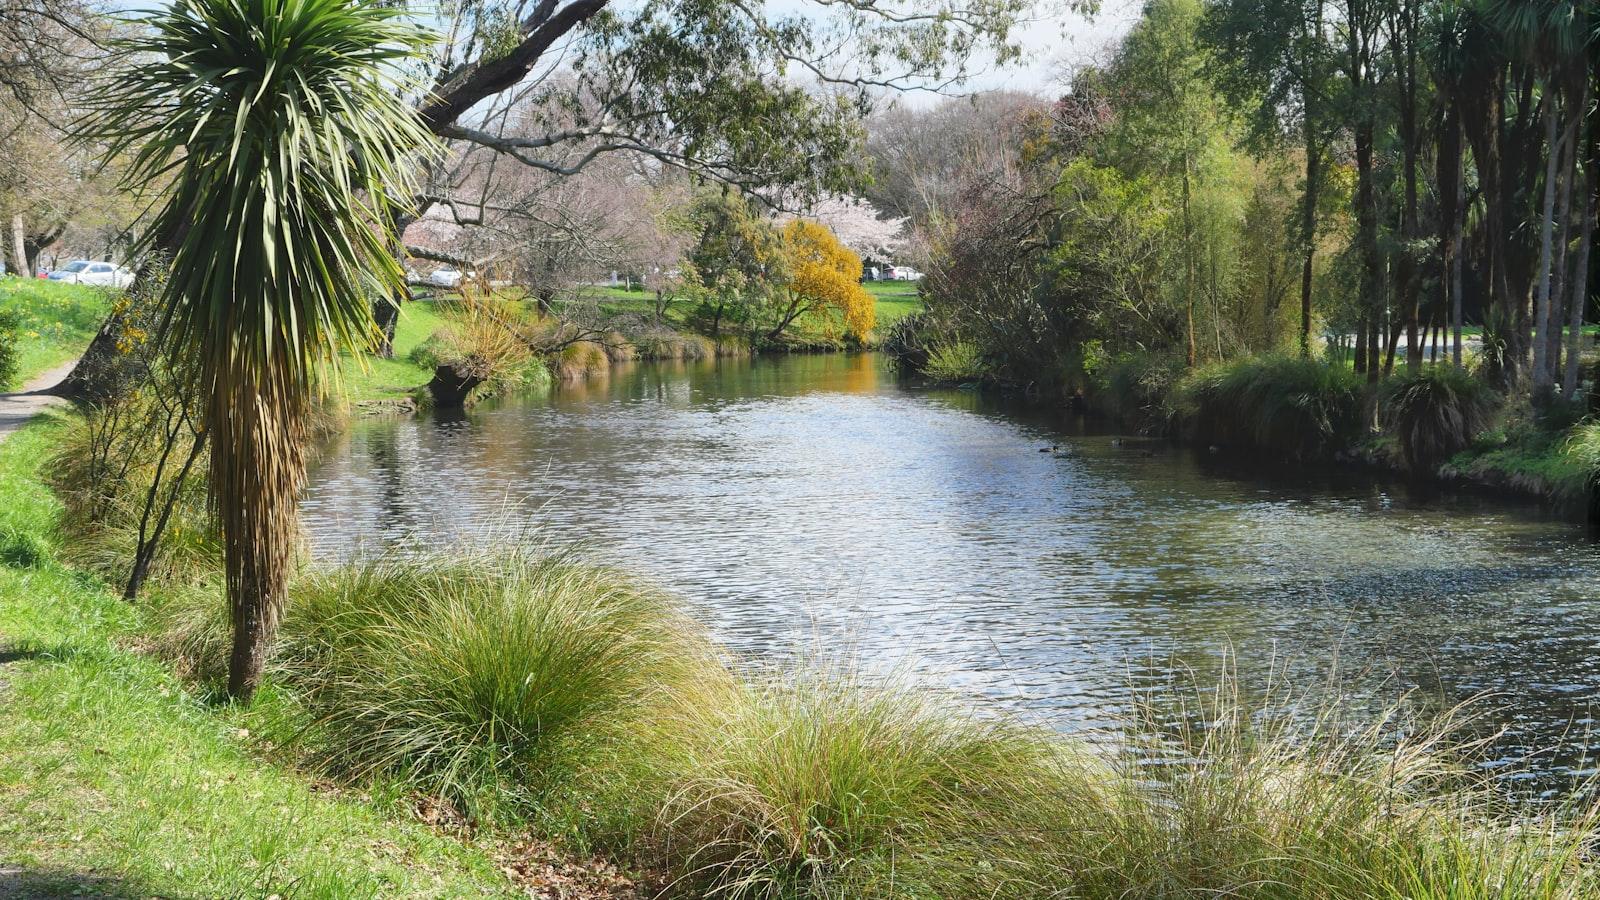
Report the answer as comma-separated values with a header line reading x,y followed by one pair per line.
x,y
824,282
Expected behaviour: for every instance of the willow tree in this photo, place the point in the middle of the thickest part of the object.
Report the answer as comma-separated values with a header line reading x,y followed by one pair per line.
x,y
283,126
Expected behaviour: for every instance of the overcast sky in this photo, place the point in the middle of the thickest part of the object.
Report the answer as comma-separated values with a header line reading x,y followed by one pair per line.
x,y
1054,47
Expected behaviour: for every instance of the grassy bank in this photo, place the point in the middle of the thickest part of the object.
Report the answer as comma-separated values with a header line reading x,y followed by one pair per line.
x,y
1438,423
115,779
56,322
515,693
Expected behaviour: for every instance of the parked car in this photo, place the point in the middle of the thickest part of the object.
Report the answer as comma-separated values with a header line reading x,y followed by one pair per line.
x,y
902,273
447,276
89,271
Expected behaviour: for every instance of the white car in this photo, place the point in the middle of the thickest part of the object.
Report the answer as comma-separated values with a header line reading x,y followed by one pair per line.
x,y
88,271
447,276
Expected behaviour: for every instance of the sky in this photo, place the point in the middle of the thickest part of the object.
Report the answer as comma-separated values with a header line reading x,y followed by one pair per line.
x,y
1052,48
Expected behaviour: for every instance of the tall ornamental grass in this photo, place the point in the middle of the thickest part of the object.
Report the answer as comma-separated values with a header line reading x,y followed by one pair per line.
x,y
476,677
539,691
1273,404
1436,412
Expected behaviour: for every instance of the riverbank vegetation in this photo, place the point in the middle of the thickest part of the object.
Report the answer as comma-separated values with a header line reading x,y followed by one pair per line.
x,y
244,720
1401,194
511,692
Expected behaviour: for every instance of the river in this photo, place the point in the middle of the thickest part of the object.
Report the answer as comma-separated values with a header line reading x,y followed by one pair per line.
x,y
817,504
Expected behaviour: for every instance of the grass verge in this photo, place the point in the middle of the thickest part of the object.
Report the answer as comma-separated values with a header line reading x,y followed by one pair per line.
x,y
57,322
115,780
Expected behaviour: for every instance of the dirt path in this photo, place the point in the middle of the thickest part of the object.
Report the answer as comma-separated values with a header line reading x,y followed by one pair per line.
x,y
16,409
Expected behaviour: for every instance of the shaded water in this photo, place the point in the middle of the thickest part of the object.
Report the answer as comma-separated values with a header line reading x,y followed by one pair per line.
x,y
816,500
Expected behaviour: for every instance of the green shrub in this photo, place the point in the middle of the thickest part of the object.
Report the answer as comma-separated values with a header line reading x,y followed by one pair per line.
x,y
820,785
956,362
1280,404
476,677
1435,413
1136,386
10,334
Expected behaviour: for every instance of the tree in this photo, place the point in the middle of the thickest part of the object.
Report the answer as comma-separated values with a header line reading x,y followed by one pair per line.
x,y
282,123
1283,72
710,87
1168,115
824,281
734,261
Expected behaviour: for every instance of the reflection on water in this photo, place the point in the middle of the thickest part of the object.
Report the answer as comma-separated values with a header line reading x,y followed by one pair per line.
x,y
813,499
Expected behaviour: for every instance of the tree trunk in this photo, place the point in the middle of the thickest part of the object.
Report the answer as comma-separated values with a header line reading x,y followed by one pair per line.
x,y
1188,265
258,435
19,254
1458,215
1367,244
1566,182
1589,162
450,387
1542,374
386,316
1308,234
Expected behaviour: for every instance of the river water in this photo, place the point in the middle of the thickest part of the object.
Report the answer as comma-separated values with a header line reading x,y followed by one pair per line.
x,y
813,504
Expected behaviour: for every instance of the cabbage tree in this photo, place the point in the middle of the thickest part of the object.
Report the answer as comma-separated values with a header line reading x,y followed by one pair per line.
x,y
284,128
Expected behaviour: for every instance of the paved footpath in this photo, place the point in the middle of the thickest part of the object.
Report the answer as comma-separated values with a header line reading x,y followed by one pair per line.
x,y
16,409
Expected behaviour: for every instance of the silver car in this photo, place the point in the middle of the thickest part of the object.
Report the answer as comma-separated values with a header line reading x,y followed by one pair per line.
x,y
89,271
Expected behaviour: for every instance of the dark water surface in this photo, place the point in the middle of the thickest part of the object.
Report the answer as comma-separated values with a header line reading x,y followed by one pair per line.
x,y
816,501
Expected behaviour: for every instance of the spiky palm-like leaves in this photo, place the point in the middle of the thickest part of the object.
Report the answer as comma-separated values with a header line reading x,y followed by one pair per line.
x,y
283,126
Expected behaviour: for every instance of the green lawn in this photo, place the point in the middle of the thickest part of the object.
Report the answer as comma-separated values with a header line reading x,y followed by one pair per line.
x,y
373,378
116,781
894,300
58,321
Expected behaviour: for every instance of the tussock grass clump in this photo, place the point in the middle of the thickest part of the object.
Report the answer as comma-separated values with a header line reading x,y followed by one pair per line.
x,y
476,677
581,359
956,362
1256,806
821,785
665,344
1436,412
1280,404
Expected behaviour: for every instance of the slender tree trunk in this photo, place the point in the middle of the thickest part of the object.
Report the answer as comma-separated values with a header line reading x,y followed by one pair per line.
x,y
1360,363
19,253
1308,232
1188,265
1542,374
1458,216
1566,181
1367,243
1589,162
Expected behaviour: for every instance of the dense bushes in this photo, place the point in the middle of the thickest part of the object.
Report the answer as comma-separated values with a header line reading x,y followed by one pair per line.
x,y
473,678
1135,387
1280,404
528,688
956,362
1435,413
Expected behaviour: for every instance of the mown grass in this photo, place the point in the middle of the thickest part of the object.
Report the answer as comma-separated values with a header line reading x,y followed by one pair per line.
x,y
375,378
115,779
57,321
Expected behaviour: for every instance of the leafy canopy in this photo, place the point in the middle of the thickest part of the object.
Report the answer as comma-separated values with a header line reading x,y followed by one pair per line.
x,y
825,276
284,126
